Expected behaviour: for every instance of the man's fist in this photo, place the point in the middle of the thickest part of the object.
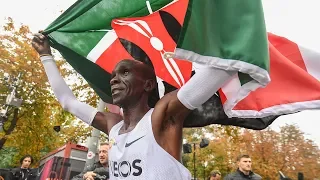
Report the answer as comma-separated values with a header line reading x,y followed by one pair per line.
x,y
41,44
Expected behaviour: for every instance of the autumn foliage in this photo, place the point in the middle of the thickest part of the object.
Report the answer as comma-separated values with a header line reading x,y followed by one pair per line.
x,y
287,151
33,132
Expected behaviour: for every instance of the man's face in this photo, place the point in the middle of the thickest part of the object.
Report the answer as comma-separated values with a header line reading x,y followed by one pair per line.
x,y
127,82
245,164
26,162
103,154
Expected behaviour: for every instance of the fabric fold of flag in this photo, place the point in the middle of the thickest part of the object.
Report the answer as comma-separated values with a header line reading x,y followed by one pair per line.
x,y
228,35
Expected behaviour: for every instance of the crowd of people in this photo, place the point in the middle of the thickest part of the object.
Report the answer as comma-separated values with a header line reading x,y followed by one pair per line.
x,y
100,171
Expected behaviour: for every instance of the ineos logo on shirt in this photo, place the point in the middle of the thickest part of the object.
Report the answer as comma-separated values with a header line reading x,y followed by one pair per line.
x,y
125,168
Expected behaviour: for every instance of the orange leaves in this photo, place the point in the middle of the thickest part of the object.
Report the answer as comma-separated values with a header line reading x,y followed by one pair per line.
x,y
287,151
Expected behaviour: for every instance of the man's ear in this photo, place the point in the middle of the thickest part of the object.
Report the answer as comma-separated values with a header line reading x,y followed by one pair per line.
x,y
149,85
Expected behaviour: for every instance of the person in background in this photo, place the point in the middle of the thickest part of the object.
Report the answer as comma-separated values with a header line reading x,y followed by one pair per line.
x,y
100,169
215,175
23,172
244,170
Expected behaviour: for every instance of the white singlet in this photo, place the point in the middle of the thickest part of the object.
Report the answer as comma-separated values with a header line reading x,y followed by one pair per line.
x,y
136,155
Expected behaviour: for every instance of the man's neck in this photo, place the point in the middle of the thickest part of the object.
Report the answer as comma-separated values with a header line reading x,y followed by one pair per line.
x,y
244,172
105,165
133,114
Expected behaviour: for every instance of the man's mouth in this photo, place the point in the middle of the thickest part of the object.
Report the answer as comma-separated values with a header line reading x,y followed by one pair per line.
x,y
115,91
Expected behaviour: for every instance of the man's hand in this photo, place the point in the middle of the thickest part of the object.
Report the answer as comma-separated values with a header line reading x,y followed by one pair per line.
x,y
41,44
89,175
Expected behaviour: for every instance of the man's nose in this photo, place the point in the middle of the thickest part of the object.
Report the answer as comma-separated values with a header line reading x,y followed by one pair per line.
x,y
114,80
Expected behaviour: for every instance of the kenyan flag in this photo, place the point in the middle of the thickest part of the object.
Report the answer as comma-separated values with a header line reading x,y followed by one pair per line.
x,y
94,35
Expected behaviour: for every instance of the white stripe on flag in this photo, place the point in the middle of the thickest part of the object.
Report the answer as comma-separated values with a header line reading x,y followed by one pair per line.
x,y
231,88
102,45
312,61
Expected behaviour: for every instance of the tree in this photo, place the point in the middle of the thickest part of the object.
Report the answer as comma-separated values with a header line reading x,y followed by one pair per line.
x,y
32,128
219,153
298,153
287,151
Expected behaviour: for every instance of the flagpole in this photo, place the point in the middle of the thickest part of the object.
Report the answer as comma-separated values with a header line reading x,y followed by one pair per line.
x,y
93,140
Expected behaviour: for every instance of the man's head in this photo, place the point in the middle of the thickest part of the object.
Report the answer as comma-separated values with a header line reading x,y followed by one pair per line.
x,y
244,163
131,81
26,161
215,175
103,153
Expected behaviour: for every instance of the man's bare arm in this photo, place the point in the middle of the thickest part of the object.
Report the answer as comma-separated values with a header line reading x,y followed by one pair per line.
x,y
192,95
104,121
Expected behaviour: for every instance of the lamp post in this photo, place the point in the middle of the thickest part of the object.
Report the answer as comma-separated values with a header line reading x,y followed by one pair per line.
x,y
93,140
204,169
187,148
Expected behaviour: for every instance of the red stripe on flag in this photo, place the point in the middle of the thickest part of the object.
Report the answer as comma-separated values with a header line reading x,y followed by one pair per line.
x,y
111,56
288,49
290,82
222,96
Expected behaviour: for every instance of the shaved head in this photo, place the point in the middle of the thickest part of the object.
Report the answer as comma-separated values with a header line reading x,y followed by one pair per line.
x,y
131,80
146,70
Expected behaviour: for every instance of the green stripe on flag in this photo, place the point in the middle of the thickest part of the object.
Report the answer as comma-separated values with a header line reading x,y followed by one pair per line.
x,y
227,29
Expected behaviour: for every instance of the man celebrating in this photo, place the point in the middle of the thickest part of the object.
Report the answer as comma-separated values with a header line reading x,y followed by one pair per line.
x,y
98,170
244,170
146,142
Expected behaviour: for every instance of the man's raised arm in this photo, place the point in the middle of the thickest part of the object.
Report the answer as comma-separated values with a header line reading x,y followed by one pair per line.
x,y
202,86
85,112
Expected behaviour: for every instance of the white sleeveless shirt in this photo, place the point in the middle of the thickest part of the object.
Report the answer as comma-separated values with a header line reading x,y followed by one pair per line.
x,y
137,156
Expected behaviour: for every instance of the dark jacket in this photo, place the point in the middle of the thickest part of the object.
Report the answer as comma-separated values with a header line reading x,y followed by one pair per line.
x,y
22,174
238,175
102,172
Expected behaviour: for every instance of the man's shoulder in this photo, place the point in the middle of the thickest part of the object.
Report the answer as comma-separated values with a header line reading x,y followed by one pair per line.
x,y
231,176
14,170
90,167
256,176
236,175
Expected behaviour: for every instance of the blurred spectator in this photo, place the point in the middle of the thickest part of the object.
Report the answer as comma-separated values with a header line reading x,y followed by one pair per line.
x,y
99,170
215,175
23,172
244,170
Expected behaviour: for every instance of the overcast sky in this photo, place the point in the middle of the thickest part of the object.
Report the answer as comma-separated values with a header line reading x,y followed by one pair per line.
x,y
295,19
